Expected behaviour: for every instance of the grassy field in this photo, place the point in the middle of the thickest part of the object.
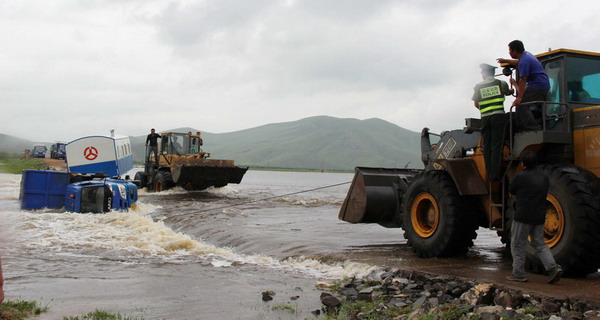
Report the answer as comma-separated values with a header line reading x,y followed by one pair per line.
x,y
21,310
101,315
18,310
12,164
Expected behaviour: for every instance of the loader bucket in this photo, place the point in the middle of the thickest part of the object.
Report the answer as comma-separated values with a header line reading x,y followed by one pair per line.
x,y
202,177
375,196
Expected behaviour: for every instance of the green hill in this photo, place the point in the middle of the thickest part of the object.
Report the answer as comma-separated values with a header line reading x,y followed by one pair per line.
x,y
14,145
319,143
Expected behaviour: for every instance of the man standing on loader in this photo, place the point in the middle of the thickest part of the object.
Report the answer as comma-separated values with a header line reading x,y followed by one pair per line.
x,y
532,84
152,139
488,97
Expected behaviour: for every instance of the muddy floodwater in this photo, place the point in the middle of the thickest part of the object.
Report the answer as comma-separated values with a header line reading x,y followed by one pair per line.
x,y
205,255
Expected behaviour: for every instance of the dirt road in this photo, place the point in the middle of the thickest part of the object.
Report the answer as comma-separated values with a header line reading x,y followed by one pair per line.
x,y
56,164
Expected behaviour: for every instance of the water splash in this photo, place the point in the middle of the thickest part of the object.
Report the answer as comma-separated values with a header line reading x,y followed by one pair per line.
x,y
135,237
125,236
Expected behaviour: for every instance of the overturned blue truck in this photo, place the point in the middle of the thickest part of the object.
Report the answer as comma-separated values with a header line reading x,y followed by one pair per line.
x,y
93,183
83,193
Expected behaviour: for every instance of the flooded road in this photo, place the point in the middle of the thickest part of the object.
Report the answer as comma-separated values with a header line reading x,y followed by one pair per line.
x,y
210,254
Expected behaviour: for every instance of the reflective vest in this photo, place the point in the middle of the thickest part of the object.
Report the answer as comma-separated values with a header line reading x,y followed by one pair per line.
x,y
491,99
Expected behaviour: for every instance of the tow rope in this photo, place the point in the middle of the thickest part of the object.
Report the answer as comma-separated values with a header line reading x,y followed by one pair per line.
x,y
273,197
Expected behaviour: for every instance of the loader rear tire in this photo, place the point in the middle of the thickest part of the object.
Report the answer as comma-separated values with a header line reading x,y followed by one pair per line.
x,y
436,218
572,227
164,181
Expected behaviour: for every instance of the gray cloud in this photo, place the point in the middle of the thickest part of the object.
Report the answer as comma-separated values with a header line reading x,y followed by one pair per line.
x,y
192,24
77,68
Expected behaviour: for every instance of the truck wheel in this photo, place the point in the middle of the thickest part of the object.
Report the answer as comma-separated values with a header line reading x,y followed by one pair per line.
x,y
436,222
142,178
572,227
164,181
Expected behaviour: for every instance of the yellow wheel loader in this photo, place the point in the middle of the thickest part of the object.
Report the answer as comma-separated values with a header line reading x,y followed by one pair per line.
x,y
182,162
441,206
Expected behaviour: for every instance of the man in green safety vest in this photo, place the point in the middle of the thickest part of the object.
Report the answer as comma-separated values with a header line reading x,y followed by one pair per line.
x,y
489,99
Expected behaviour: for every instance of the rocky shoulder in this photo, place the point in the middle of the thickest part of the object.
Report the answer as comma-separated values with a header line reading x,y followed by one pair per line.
x,y
402,294
413,295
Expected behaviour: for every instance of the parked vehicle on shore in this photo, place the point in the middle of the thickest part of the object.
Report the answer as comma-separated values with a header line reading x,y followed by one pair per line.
x,y
58,150
39,151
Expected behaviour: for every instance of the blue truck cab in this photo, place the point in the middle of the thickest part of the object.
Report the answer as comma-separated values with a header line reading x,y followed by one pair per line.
x,y
39,151
75,192
58,151
100,195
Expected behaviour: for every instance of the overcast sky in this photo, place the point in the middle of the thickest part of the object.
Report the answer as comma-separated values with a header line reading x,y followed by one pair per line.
x,y
75,68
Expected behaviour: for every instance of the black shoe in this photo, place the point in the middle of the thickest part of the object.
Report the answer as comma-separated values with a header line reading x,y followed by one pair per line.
x,y
555,275
513,278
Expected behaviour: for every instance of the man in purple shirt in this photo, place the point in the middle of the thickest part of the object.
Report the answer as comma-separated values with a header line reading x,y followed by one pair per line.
x,y
532,84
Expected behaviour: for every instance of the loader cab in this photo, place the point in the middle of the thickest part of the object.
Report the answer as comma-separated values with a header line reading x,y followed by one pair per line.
x,y
574,78
573,104
175,143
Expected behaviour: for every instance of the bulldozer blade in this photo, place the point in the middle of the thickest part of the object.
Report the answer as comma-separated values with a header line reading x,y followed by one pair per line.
x,y
202,177
375,196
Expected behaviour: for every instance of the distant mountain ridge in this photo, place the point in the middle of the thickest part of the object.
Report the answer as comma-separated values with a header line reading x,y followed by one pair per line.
x,y
10,144
319,142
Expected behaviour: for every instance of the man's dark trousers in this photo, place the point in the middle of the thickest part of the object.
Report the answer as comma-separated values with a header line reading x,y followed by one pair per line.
x,y
492,131
525,118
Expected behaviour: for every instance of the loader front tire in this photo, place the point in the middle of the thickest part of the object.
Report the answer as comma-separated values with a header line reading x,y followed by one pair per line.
x,y
436,220
164,181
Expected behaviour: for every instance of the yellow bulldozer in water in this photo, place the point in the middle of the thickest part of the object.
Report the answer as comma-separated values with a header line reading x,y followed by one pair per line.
x,y
441,207
182,162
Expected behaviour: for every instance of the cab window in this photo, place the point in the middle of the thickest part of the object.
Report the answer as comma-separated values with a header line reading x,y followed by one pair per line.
x,y
95,199
583,80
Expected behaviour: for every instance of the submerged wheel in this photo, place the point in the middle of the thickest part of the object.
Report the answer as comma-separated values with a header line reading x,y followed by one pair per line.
x,y
436,220
572,226
163,181
142,178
